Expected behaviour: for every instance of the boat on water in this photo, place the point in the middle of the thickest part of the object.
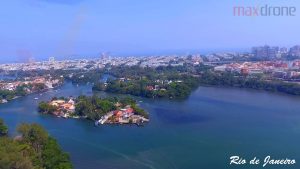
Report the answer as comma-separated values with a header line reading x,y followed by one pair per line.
x,y
100,121
36,98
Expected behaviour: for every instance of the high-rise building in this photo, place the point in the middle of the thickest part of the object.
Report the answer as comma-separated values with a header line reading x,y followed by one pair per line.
x,y
265,51
261,51
295,51
283,50
272,52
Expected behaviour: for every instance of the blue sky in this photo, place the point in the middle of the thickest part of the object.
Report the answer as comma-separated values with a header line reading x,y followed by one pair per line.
x,y
59,28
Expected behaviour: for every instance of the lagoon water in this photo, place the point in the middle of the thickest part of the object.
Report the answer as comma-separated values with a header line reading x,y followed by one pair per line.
x,y
201,132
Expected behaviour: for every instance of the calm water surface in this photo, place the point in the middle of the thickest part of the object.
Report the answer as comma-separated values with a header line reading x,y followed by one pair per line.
x,y
200,132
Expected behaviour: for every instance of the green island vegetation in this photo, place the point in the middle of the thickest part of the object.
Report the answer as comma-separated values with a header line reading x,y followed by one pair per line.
x,y
96,108
3,128
160,82
34,148
253,82
180,81
172,82
83,77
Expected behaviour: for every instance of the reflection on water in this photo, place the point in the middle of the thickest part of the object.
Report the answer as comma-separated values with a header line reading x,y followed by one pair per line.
x,y
200,132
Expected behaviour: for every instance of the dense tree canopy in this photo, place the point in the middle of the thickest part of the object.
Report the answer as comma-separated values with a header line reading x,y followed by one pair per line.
x,y
44,107
94,107
34,149
3,128
256,82
16,155
168,82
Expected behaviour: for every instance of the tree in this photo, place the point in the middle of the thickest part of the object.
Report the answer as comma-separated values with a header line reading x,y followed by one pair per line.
x,y
20,90
35,150
3,128
139,111
12,156
34,135
127,101
105,105
44,107
53,157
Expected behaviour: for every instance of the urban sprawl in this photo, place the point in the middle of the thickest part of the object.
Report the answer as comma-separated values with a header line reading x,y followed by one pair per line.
x,y
276,62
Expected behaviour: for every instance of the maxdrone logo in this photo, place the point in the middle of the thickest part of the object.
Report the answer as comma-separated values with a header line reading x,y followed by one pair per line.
x,y
265,10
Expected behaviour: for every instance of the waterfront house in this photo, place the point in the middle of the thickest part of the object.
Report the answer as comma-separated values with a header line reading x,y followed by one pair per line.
x,y
57,103
150,88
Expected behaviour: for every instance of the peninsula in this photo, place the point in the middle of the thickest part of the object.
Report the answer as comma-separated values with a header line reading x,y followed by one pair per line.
x,y
12,89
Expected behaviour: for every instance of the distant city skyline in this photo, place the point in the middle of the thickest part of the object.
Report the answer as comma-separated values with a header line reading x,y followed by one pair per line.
x,y
41,29
206,52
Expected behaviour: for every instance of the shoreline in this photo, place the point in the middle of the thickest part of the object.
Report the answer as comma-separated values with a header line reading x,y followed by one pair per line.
x,y
36,92
251,89
145,120
99,110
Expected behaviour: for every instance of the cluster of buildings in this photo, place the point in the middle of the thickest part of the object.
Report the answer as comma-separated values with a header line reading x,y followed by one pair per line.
x,y
295,51
88,64
160,84
174,60
50,65
278,69
268,52
261,52
64,108
125,115
150,61
12,85
154,88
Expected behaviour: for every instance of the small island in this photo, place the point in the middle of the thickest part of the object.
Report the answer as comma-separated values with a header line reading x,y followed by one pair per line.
x,y
168,83
111,110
